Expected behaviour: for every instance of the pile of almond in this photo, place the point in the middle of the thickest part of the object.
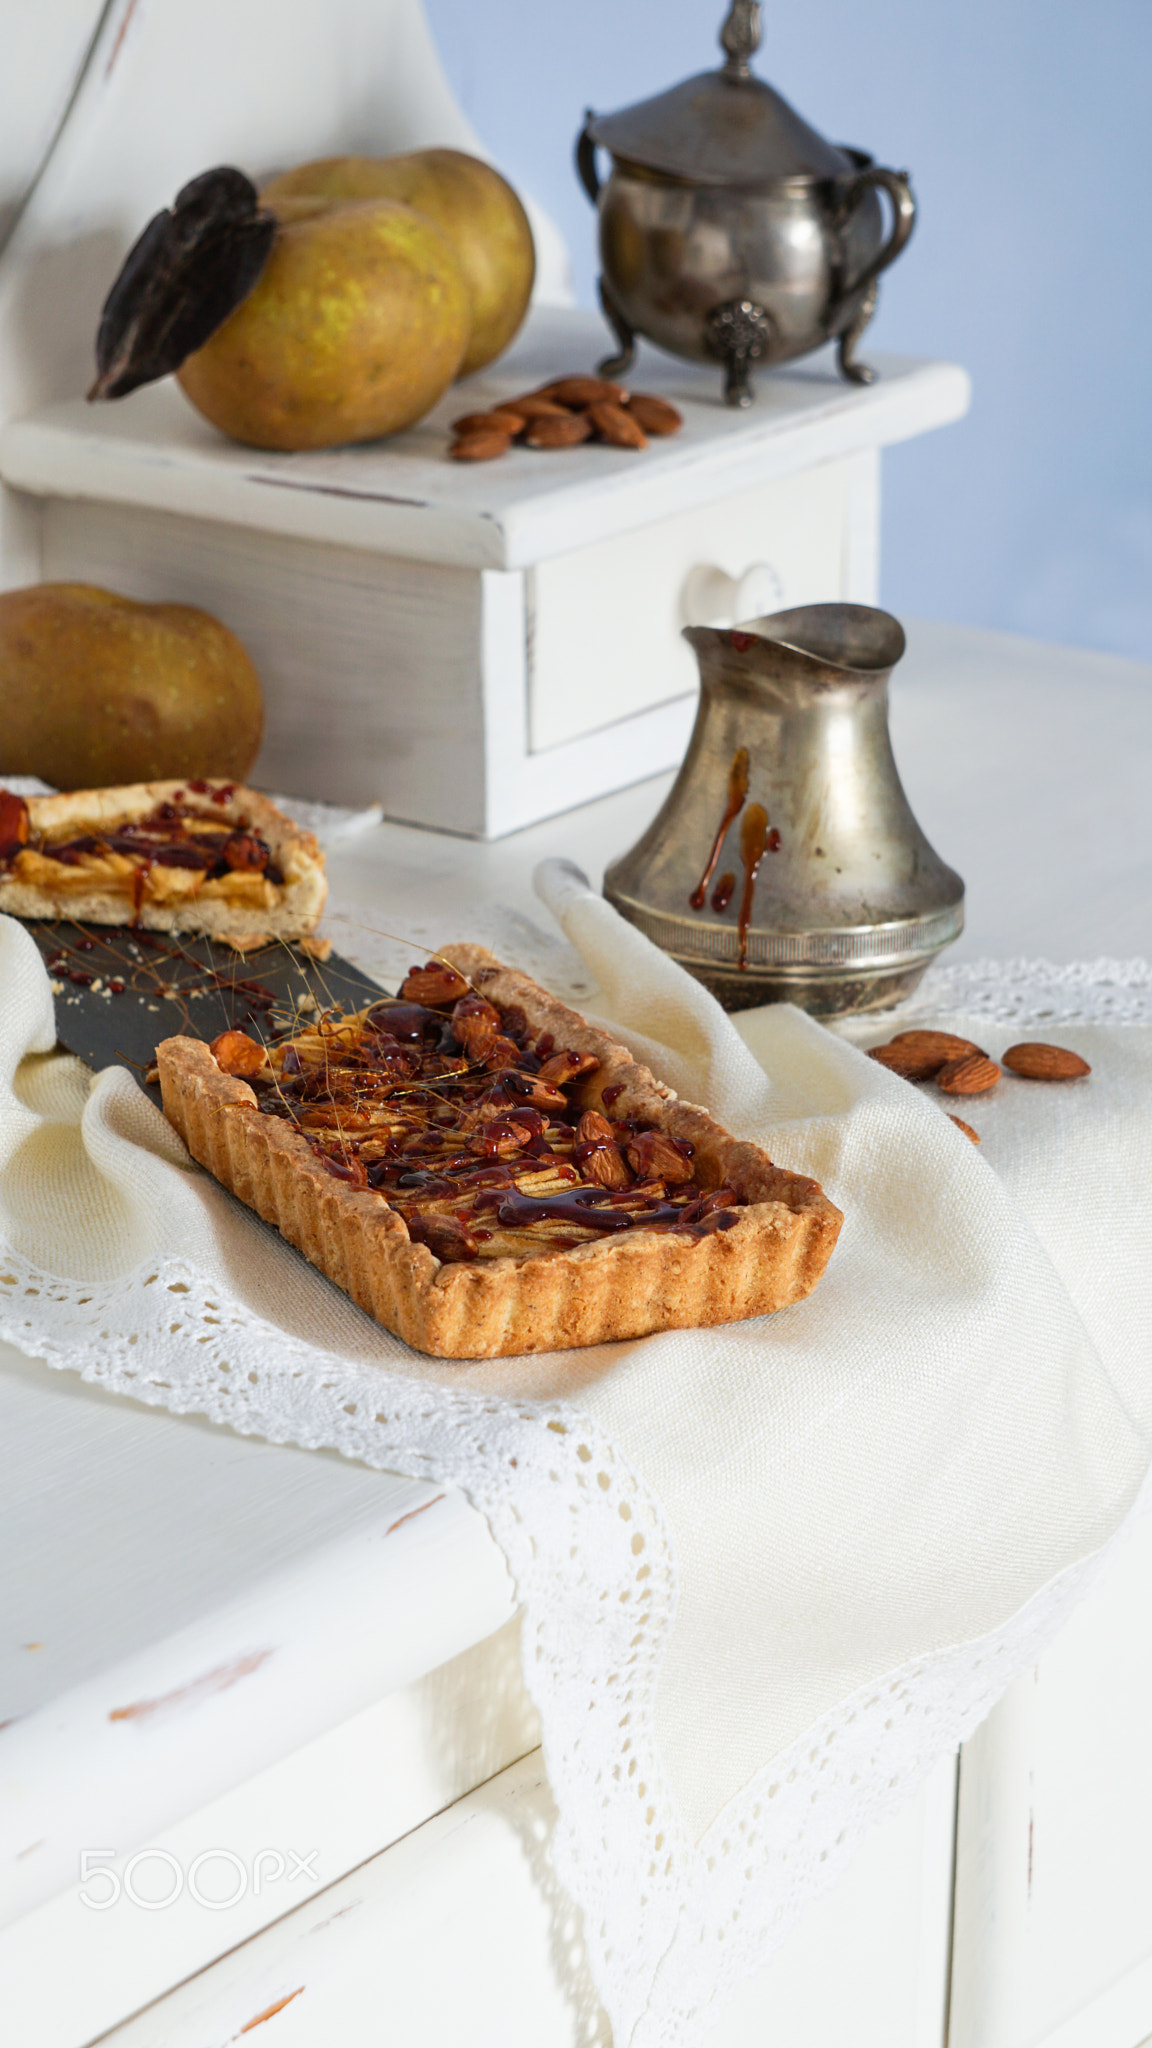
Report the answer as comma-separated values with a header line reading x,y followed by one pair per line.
x,y
562,415
959,1067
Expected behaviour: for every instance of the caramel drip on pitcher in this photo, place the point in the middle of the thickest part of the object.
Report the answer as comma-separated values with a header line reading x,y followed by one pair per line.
x,y
755,840
737,791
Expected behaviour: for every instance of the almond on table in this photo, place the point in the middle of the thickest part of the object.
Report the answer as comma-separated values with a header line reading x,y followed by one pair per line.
x,y
481,446
655,415
908,1061
565,432
533,407
564,414
1039,1062
483,422
584,391
945,1043
616,426
972,1074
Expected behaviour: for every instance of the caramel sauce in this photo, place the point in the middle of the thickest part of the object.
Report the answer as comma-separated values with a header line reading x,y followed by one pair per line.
x,y
737,791
754,837
403,1099
723,892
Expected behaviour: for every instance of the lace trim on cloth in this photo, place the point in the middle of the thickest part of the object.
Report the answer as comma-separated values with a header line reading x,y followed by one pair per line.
x,y
670,1926
1037,992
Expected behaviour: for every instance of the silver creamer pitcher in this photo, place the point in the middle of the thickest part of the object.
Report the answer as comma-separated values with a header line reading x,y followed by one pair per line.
x,y
785,864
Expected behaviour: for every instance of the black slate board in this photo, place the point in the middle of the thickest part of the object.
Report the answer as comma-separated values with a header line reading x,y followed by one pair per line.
x,y
179,984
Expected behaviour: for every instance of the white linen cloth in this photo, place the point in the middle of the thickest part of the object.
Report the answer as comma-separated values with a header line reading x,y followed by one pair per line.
x,y
770,1572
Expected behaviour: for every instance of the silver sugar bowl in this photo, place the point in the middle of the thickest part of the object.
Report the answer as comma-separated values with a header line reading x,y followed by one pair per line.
x,y
730,231
785,864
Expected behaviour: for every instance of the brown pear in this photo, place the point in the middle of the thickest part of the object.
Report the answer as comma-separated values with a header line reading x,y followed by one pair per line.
x,y
470,203
357,324
96,690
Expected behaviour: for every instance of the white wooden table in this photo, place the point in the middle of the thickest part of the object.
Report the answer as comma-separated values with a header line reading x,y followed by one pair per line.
x,y
214,1644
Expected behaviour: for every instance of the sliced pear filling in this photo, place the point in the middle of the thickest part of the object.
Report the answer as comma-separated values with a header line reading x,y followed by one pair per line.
x,y
481,1132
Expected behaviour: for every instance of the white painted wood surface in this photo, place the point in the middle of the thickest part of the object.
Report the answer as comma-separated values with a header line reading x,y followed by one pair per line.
x,y
41,72
454,1936
405,497
1053,1931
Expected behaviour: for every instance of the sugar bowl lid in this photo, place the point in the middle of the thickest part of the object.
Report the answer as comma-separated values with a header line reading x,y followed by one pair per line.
x,y
723,127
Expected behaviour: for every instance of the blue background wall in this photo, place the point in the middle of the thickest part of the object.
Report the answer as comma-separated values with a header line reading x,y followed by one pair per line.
x,y
1025,124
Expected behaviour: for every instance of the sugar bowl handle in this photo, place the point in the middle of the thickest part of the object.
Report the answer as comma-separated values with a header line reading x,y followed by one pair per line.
x,y
586,159
896,185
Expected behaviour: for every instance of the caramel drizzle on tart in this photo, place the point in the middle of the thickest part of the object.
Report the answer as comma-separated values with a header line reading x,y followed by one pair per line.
x,y
470,1123
182,848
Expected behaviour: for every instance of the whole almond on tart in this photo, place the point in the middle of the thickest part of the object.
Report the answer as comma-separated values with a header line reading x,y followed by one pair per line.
x,y
1039,1062
972,1074
966,1128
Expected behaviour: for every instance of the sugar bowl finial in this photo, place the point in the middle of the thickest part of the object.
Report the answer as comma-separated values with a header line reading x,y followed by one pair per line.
x,y
740,36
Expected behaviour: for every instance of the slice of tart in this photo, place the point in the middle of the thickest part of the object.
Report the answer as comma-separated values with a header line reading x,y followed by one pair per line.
x,y
198,856
487,1173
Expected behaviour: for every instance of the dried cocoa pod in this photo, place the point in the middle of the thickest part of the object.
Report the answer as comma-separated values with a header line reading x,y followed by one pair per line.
x,y
483,422
972,1074
192,266
1038,1062
433,984
581,391
615,426
565,432
481,446
655,415
235,1053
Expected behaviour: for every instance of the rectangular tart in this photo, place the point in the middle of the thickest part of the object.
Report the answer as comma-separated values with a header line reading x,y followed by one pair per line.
x,y
487,1173
200,856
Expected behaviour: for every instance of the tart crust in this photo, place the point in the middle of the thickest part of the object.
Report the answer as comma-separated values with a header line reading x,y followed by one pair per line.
x,y
629,1285
244,910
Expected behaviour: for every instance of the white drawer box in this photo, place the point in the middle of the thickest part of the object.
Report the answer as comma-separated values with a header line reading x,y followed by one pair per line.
x,y
479,646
